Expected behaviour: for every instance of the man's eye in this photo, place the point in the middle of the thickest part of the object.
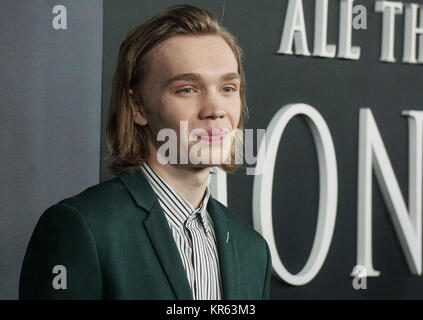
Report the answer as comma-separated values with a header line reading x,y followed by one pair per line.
x,y
187,90
228,89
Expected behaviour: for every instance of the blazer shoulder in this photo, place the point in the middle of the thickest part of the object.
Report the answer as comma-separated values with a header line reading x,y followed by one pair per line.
x,y
102,199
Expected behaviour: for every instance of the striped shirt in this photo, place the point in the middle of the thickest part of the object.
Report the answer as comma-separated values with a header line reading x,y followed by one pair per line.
x,y
194,236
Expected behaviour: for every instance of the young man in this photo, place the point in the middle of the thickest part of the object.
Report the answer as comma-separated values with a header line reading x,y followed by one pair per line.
x,y
154,231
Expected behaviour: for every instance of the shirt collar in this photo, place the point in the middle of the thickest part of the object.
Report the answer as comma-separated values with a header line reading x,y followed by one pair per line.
x,y
175,206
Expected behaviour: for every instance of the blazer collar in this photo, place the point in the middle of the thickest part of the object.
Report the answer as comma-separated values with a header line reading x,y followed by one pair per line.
x,y
139,188
165,247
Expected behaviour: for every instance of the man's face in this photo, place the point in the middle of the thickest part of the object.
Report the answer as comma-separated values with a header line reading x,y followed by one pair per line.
x,y
194,79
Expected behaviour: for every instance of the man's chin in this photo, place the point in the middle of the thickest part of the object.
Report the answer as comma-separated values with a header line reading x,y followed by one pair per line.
x,y
209,160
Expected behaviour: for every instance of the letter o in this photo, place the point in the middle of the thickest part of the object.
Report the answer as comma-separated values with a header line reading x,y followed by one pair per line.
x,y
328,176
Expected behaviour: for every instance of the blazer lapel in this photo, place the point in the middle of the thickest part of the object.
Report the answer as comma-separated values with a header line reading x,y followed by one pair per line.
x,y
160,234
164,244
227,251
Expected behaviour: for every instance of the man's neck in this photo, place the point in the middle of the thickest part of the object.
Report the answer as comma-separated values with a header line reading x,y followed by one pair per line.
x,y
189,182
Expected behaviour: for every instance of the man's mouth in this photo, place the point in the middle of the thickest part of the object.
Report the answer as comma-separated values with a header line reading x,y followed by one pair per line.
x,y
214,134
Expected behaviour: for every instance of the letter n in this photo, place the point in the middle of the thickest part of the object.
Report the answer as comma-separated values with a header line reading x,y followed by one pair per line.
x,y
408,226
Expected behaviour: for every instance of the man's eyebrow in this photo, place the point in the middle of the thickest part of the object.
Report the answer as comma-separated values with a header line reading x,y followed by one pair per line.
x,y
231,76
197,76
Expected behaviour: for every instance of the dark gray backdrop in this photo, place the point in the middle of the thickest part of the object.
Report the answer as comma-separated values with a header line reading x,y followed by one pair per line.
x,y
50,105
337,89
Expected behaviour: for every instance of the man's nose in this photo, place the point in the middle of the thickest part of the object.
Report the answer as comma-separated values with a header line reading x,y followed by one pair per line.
x,y
212,107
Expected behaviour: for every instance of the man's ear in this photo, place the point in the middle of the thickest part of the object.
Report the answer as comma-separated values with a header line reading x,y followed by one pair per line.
x,y
139,117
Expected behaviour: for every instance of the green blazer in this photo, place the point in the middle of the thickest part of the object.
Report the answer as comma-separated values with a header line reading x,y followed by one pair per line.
x,y
115,243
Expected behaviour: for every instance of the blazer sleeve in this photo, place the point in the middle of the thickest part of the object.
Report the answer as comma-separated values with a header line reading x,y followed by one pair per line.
x,y
61,261
266,288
